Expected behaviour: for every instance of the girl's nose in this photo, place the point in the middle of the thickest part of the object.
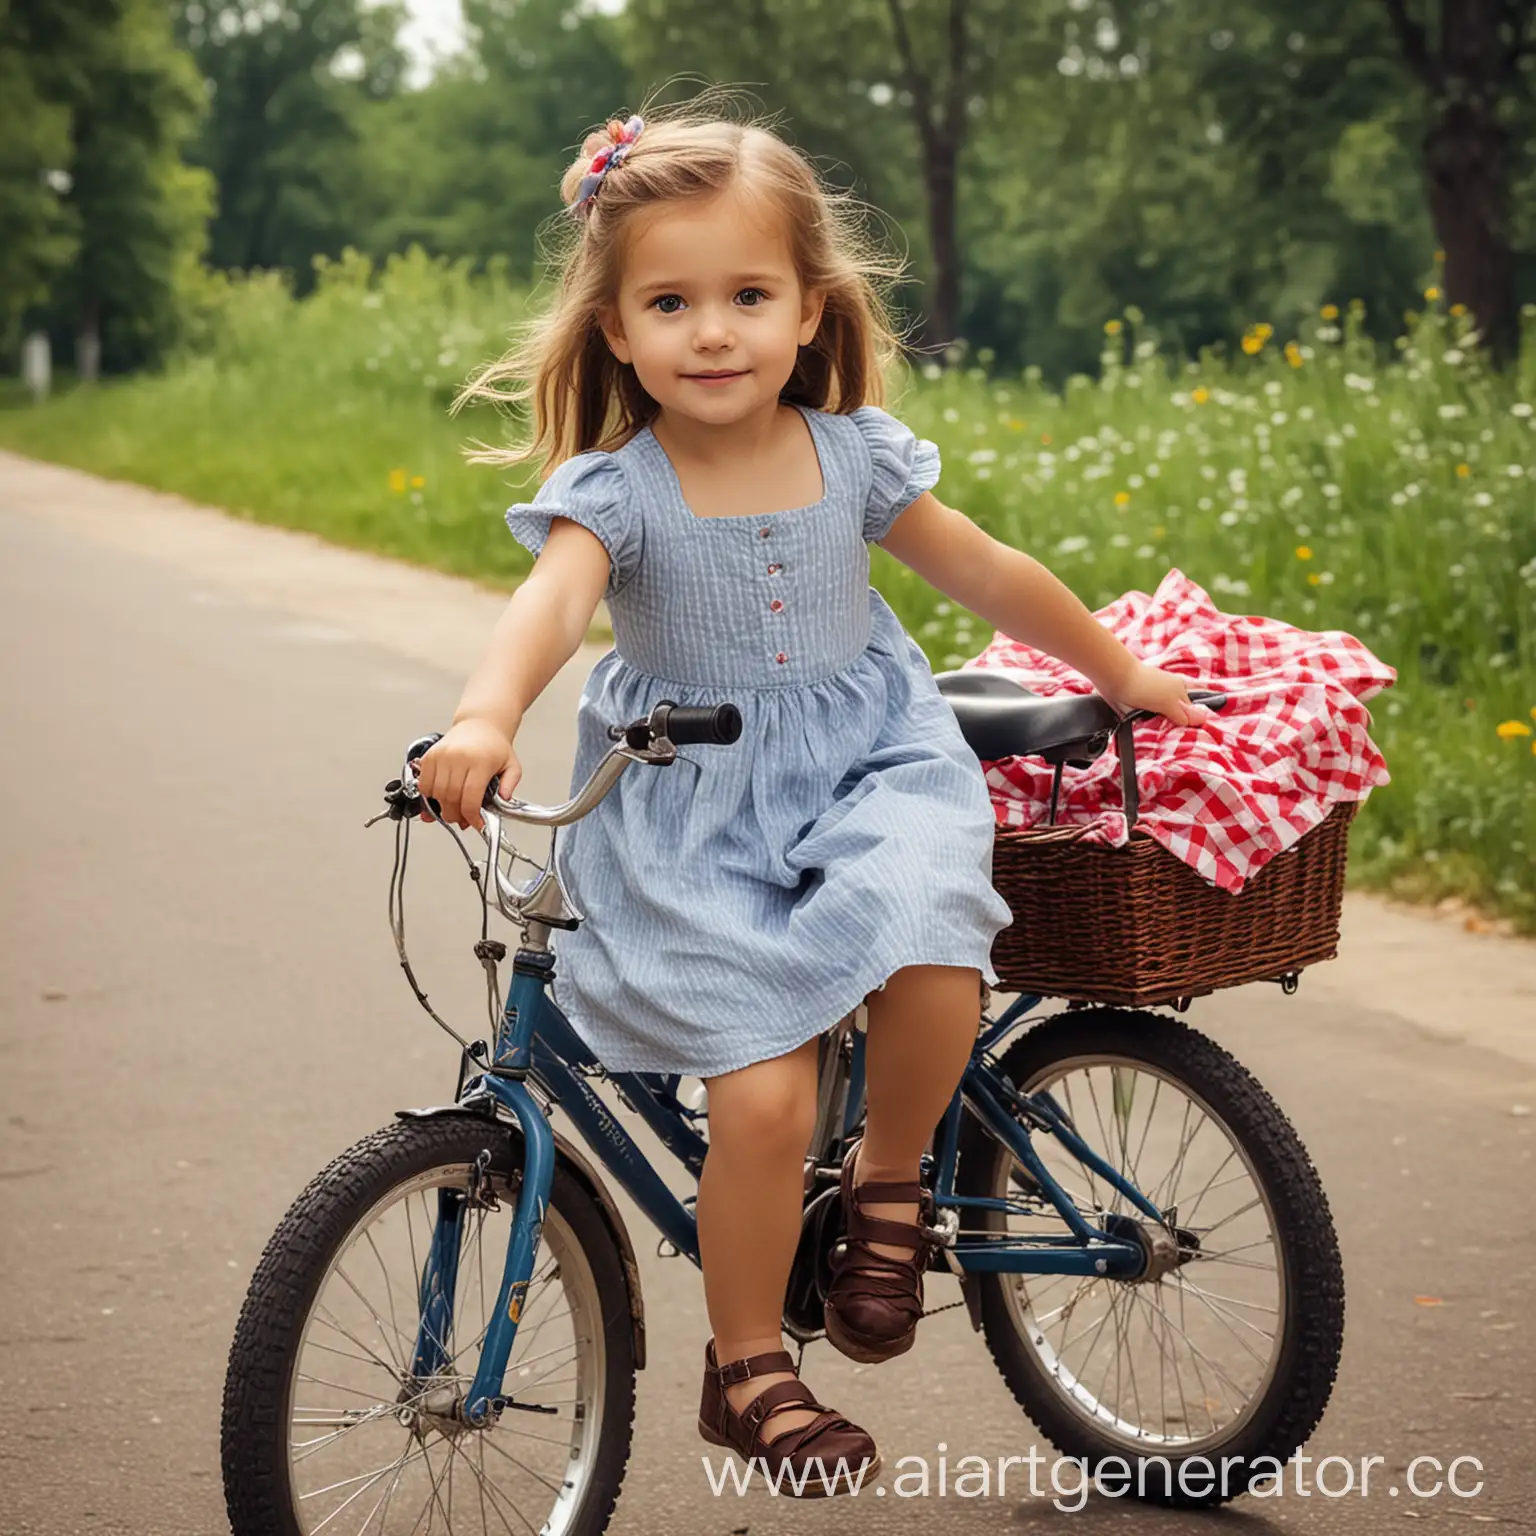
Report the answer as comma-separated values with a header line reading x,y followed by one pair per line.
x,y
712,331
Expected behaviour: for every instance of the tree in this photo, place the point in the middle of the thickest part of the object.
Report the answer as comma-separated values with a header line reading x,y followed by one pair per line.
x,y
141,212
471,164
46,47
842,73
287,80
1474,77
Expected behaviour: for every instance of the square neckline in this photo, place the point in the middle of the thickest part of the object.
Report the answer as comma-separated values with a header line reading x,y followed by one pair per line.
x,y
675,484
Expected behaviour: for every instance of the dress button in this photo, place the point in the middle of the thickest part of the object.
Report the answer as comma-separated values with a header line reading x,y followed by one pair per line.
x,y
782,657
763,533
775,568
777,604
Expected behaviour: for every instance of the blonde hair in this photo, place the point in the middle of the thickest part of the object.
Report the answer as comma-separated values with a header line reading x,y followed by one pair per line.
x,y
581,396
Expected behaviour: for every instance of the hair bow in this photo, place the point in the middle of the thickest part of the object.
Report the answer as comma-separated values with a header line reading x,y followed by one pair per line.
x,y
604,161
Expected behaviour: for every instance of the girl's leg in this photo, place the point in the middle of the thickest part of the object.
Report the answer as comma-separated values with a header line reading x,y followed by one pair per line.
x,y
751,1194
922,1027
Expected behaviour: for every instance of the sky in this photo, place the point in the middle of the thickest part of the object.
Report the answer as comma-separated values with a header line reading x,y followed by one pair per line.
x,y
436,26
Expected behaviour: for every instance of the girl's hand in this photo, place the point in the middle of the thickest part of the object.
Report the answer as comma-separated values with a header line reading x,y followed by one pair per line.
x,y
456,770
1163,693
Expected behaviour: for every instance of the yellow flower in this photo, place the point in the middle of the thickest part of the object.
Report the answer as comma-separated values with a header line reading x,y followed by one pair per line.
x,y
1200,395
1533,711
1303,552
1458,309
397,480
417,481
1431,294
1293,354
1509,729
1112,327
1329,311
1439,255
1122,498
1159,531
1313,579
1263,330
1016,424
1252,344
1463,470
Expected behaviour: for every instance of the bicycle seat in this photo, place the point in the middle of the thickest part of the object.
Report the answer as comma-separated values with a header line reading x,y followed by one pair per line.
x,y
1001,718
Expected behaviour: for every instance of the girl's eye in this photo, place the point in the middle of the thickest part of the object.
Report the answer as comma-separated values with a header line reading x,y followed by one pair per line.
x,y
671,303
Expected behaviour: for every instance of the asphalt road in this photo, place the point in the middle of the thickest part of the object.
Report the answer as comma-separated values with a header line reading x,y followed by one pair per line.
x,y
200,1004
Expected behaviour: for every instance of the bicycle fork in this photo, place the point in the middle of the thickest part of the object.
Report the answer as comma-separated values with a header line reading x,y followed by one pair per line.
x,y
439,1280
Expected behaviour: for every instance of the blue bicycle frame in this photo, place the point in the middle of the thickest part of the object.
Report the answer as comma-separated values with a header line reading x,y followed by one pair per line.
x,y
534,1039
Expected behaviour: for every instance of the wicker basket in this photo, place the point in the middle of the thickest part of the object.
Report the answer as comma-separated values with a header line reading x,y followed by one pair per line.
x,y
1135,925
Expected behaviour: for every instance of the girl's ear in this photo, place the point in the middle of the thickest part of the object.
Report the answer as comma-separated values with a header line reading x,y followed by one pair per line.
x,y
613,330
811,308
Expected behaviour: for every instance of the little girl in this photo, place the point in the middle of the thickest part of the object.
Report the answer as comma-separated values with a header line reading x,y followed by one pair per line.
x,y
705,396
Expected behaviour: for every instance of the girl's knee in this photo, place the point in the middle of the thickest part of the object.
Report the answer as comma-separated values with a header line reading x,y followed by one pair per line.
x,y
763,1108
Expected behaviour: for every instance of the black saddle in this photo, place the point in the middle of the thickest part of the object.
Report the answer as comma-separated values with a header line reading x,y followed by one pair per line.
x,y
1001,718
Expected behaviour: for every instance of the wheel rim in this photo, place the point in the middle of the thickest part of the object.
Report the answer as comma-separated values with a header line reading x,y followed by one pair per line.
x,y
1180,1363
354,1469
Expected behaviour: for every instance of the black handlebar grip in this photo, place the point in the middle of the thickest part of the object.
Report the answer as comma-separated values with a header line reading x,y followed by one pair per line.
x,y
713,723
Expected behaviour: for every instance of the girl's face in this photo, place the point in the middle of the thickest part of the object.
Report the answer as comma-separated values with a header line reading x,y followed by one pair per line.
x,y
710,309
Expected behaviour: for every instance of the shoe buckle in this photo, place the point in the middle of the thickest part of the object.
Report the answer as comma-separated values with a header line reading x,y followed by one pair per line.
x,y
945,1229
734,1371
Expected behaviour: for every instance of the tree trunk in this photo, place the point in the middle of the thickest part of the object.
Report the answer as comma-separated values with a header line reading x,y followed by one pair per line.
x,y
1467,155
939,167
1466,169
940,131
88,344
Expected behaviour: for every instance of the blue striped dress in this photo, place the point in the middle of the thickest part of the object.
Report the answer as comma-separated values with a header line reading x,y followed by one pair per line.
x,y
743,900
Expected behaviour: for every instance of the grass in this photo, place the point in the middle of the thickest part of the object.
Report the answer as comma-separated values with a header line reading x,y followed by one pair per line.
x,y
1312,482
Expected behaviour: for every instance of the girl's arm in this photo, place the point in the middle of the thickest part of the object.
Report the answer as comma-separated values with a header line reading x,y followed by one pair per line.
x,y
544,621
1017,595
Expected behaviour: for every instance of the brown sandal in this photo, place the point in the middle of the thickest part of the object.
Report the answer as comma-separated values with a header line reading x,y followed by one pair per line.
x,y
874,1302
828,1455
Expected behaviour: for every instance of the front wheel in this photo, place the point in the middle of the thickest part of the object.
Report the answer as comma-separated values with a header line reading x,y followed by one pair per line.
x,y
1224,1354
328,1423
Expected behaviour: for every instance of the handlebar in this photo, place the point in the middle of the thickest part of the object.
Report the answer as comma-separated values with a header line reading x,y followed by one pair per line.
x,y
653,738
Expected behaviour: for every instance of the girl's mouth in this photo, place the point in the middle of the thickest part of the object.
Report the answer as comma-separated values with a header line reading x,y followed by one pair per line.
x,y
717,378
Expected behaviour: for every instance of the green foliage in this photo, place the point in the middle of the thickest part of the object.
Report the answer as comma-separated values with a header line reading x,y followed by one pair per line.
x,y
1307,481
289,84
142,212
101,217
471,165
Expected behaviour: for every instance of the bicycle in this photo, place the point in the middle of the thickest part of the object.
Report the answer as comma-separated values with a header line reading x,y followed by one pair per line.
x,y
1064,1209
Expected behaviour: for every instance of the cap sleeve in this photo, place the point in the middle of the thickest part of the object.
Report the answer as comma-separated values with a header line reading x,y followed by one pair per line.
x,y
902,467
590,489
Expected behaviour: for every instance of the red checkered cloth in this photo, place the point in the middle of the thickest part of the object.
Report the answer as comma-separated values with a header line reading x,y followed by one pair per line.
x,y
1228,795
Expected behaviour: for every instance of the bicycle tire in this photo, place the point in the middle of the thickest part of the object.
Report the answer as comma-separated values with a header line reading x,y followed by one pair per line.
x,y
1301,1383
269,1335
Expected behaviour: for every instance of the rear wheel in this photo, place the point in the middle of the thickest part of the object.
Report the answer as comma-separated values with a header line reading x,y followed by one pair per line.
x,y
327,1428
1227,1349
